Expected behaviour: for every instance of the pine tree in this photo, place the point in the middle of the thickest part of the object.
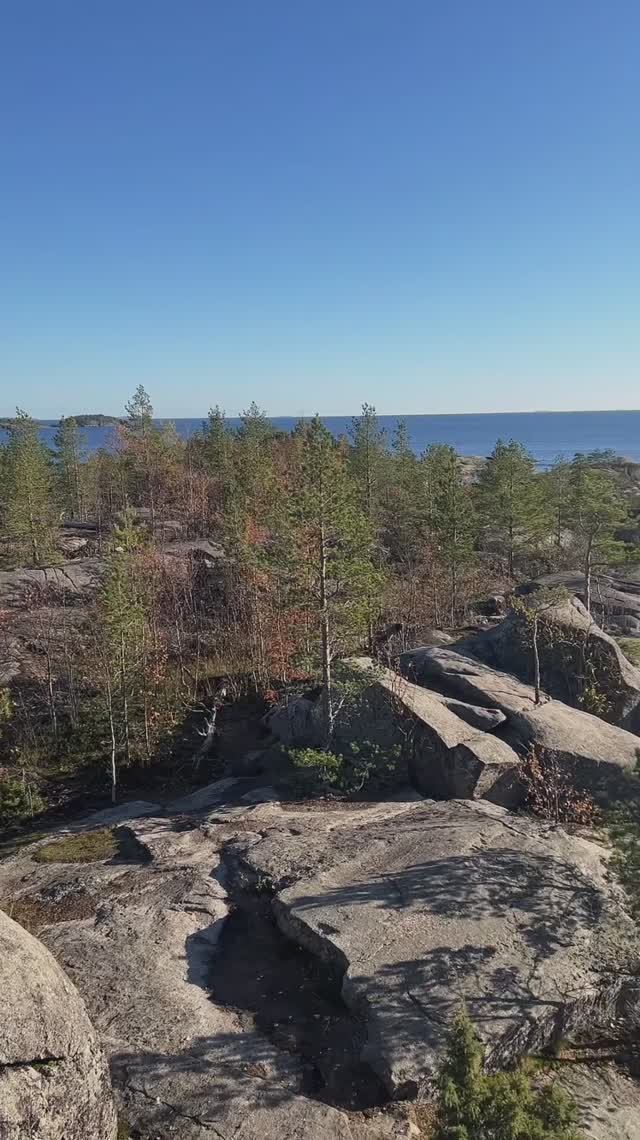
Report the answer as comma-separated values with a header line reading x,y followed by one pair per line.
x,y
510,500
368,453
473,1105
337,580
255,424
460,1083
30,522
70,467
556,486
403,499
139,411
217,444
596,510
149,455
450,514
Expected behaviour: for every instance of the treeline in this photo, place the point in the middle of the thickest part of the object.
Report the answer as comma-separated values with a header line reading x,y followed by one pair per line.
x,y
326,546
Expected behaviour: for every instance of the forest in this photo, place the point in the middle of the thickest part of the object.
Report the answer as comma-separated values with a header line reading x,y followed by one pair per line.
x,y
159,582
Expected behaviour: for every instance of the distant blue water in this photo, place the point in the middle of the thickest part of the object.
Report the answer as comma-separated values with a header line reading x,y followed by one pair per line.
x,y
547,435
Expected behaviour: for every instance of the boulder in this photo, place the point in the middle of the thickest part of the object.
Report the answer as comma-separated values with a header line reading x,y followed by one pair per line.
x,y
576,656
436,637
615,597
445,747
182,1064
598,756
54,1081
77,579
434,904
477,717
446,756
292,721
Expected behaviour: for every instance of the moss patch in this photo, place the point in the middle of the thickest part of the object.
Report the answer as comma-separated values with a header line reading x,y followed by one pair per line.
x,y
630,646
87,847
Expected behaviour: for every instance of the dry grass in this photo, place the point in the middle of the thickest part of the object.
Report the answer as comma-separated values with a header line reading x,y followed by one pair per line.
x,y
630,646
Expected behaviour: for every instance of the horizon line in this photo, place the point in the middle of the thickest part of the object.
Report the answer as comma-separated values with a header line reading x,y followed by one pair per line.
x,y
347,415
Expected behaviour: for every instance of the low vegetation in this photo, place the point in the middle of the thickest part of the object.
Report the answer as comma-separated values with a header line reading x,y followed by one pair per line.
x,y
516,1105
552,794
85,847
623,828
19,801
630,646
357,766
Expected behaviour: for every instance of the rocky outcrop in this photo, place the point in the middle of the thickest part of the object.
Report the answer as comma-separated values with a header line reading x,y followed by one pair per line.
x,y
77,578
408,907
54,1081
615,599
578,660
598,756
442,903
445,746
143,958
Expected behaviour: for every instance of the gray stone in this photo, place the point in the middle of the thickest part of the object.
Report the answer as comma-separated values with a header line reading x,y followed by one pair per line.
x,y
111,817
181,1064
78,577
419,905
436,637
442,903
615,597
599,756
219,792
477,717
292,721
608,1100
54,1082
446,755
567,637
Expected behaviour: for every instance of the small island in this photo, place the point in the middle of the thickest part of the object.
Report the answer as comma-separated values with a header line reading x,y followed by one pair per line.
x,y
84,421
98,420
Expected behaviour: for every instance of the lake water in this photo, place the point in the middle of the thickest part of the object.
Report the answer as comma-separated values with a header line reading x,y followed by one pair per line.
x,y
547,435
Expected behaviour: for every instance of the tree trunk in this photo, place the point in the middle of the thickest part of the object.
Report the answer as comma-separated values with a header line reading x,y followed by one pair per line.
x,y
327,707
112,730
125,700
536,660
53,712
587,576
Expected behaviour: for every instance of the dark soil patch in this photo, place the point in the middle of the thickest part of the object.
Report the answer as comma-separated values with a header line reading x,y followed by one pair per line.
x,y
35,914
294,999
326,805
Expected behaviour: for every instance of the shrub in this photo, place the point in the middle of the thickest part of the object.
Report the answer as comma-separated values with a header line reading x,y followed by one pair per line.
x,y
551,794
316,770
623,825
349,771
473,1105
19,800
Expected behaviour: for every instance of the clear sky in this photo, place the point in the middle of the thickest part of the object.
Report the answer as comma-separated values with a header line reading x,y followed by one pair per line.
x,y
432,205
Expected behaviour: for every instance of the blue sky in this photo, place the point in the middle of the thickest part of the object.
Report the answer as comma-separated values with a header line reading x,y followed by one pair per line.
x,y
432,206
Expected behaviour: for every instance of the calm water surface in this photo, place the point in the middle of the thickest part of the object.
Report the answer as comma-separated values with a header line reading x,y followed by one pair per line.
x,y
546,434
